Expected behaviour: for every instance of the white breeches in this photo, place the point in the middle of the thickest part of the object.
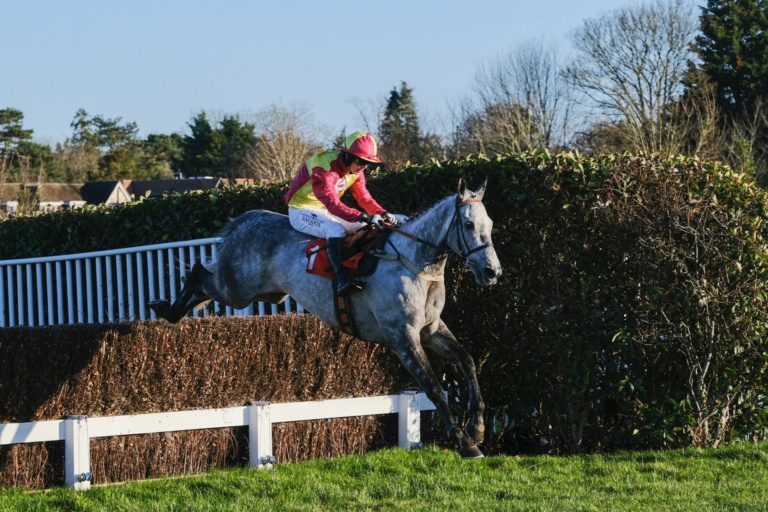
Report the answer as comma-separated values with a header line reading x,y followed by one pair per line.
x,y
321,223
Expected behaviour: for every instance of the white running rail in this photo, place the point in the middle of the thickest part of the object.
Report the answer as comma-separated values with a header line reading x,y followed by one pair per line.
x,y
77,431
107,286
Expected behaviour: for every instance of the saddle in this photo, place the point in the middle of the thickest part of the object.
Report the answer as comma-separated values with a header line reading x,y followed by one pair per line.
x,y
358,253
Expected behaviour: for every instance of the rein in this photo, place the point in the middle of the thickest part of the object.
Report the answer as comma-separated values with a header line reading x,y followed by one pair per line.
x,y
390,227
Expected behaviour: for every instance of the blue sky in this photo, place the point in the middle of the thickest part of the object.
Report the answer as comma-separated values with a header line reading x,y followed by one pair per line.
x,y
159,62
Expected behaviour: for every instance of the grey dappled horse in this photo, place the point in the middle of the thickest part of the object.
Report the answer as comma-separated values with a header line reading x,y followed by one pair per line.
x,y
261,257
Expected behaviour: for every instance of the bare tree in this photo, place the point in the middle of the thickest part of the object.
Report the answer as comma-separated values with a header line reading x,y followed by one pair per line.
x,y
286,136
77,162
518,102
745,150
370,113
692,123
29,180
630,64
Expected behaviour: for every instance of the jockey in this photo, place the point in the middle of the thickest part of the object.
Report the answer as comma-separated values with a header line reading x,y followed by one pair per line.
x,y
314,205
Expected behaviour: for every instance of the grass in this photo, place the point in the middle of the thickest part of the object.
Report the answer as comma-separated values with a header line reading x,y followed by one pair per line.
x,y
730,478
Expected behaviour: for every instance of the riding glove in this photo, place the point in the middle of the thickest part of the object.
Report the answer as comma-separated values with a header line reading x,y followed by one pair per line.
x,y
391,219
377,221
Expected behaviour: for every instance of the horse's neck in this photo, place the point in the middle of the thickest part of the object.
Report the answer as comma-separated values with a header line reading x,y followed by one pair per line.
x,y
431,226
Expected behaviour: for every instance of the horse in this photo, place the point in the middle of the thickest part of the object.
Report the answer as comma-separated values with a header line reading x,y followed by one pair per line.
x,y
262,258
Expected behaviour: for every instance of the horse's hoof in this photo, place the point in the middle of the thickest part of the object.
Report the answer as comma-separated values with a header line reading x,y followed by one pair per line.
x,y
477,432
471,452
160,307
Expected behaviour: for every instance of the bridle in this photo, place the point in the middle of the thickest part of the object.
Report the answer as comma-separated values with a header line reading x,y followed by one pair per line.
x,y
464,249
460,236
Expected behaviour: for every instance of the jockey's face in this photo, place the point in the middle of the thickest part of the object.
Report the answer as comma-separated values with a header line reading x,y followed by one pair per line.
x,y
357,165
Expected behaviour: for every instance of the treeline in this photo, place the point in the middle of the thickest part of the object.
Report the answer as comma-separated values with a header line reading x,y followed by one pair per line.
x,y
660,76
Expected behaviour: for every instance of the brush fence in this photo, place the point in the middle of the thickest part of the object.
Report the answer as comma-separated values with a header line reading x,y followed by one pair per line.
x,y
77,431
107,286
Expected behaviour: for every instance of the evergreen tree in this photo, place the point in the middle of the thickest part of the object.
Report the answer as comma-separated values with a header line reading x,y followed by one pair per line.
x,y
733,47
220,151
102,133
21,159
162,153
12,134
11,130
339,140
115,145
199,148
400,136
234,139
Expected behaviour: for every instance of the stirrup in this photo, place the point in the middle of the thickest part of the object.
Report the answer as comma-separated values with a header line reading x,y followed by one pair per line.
x,y
351,283
341,288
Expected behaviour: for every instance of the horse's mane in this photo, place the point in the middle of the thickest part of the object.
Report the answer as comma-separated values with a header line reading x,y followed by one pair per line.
x,y
428,208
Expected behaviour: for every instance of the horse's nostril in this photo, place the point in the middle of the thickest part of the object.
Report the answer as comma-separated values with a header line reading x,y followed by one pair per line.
x,y
491,273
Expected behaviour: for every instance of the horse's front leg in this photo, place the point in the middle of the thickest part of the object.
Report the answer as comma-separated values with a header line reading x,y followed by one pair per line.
x,y
410,352
444,343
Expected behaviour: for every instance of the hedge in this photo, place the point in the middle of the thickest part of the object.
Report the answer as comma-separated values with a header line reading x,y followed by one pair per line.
x,y
632,309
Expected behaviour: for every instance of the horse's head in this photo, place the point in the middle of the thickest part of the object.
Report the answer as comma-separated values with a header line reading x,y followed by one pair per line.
x,y
469,235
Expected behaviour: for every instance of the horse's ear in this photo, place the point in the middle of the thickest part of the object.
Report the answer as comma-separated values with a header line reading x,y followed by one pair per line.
x,y
462,187
480,192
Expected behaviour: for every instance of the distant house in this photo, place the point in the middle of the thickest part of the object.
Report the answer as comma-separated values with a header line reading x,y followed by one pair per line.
x,y
9,198
105,192
40,196
159,188
53,196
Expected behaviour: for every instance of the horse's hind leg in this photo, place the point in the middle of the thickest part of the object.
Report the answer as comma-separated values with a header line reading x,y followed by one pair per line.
x,y
190,296
408,349
444,343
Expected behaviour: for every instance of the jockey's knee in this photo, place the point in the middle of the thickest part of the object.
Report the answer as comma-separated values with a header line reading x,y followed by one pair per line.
x,y
333,230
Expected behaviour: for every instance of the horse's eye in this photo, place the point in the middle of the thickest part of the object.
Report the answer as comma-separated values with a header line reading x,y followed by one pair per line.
x,y
470,224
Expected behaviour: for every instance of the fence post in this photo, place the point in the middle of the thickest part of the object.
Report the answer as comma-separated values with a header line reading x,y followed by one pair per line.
x,y
409,420
77,453
260,435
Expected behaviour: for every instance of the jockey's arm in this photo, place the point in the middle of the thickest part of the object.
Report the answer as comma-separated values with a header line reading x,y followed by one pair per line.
x,y
323,188
360,192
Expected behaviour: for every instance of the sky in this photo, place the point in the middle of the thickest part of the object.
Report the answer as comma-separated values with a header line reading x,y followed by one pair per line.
x,y
158,63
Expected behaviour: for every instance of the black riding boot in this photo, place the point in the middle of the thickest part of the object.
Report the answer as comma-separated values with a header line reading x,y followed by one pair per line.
x,y
334,256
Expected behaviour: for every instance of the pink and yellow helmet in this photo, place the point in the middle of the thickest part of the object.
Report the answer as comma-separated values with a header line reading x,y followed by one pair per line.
x,y
362,145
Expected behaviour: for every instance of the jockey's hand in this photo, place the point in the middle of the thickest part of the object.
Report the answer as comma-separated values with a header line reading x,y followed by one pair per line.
x,y
377,221
390,219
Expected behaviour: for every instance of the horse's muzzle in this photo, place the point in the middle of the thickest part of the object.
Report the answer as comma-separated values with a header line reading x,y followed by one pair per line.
x,y
488,275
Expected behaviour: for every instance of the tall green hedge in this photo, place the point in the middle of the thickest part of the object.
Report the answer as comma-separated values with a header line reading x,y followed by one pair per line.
x,y
631,313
